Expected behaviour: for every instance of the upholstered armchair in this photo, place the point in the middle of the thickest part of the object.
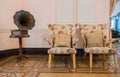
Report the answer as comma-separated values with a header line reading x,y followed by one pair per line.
x,y
97,40
61,42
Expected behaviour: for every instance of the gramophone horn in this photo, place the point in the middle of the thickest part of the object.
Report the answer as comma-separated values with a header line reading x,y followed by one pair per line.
x,y
24,20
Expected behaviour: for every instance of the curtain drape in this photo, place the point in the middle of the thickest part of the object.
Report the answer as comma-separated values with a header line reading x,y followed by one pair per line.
x,y
112,5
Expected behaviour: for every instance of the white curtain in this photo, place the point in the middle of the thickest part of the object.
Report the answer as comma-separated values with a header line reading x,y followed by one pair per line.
x,y
116,9
112,5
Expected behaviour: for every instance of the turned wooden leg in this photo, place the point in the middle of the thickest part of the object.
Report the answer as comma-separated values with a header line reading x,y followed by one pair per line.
x,y
49,60
74,60
116,60
90,60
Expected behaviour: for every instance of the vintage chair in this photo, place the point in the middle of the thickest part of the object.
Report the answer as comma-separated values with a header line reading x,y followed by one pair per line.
x,y
61,42
97,40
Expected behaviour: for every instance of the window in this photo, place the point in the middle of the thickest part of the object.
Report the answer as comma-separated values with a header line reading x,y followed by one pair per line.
x,y
115,22
115,17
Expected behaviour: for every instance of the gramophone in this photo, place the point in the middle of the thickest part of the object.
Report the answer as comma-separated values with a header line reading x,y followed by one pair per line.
x,y
24,21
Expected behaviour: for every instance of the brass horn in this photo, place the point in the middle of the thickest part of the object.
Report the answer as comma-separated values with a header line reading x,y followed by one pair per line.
x,y
24,20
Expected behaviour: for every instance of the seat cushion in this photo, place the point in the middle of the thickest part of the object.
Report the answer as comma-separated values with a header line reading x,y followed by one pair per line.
x,y
94,39
62,39
61,50
100,50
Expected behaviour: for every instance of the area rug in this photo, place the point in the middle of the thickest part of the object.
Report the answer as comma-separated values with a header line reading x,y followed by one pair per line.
x,y
33,65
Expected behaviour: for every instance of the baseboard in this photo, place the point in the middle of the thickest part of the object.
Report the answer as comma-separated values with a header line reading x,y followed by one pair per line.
x,y
11,52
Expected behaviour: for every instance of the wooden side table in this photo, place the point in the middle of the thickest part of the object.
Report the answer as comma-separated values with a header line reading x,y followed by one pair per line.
x,y
20,44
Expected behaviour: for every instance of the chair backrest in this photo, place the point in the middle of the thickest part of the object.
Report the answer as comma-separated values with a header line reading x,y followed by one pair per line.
x,y
61,35
103,28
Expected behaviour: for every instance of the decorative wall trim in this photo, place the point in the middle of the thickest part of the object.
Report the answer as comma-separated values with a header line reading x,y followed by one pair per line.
x,y
29,51
33,30
11,52
4,30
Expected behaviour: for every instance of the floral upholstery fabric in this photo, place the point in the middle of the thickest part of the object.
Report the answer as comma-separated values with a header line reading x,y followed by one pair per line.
x,y
94,39
88,28
62,50
61,31
61,39
100,50
104,28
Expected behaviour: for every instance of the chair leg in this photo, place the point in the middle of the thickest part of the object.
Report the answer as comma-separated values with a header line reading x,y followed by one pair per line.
x,y
90,60
52,56
49,60
74,60
116,60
